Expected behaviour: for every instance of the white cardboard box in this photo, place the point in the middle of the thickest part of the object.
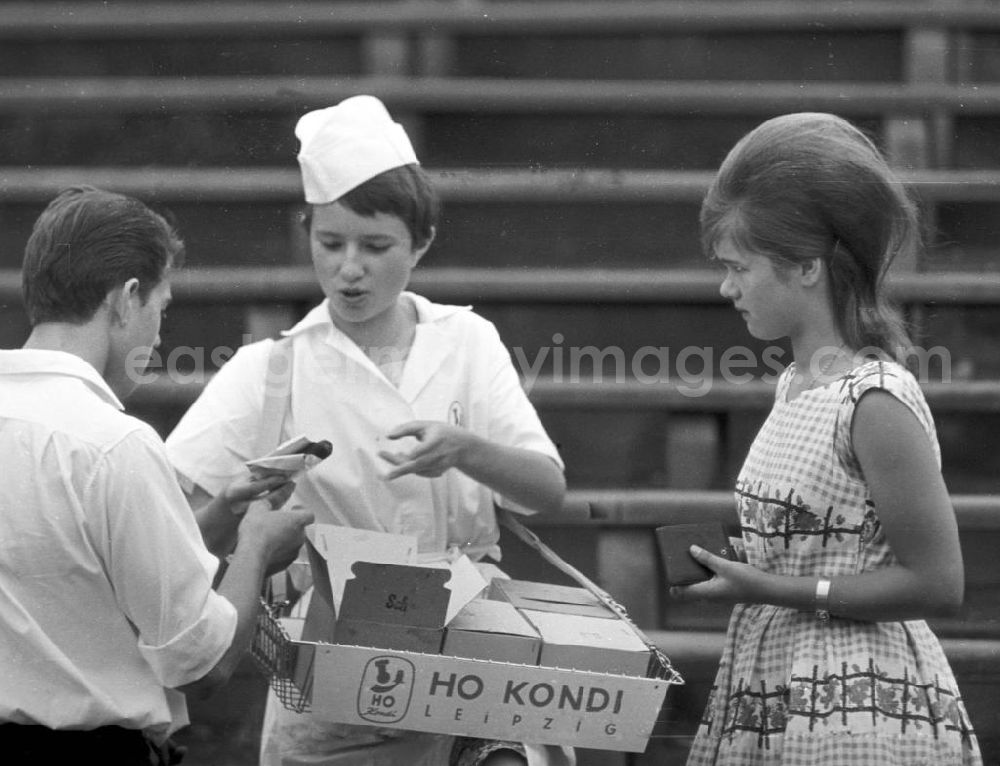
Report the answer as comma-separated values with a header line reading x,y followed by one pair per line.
x,y
582,642
492,630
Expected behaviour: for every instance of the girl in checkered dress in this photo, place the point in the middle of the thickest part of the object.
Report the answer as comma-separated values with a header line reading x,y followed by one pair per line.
x,y
850,536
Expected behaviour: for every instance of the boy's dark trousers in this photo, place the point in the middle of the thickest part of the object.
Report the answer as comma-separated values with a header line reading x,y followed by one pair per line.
x,y
27,745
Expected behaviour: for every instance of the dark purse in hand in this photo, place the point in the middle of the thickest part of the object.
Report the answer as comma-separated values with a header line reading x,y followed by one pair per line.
x,y
675,541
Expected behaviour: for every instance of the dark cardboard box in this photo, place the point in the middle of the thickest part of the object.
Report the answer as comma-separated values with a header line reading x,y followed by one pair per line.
x,y
394,606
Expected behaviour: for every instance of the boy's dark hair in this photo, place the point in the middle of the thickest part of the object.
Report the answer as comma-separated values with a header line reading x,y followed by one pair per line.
x,y
85,243
405,192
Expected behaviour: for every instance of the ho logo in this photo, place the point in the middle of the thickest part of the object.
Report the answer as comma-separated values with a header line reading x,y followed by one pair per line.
x,y
385,690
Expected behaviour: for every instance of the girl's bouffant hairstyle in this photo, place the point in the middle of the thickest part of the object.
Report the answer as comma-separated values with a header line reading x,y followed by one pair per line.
x,y
405,192
812,185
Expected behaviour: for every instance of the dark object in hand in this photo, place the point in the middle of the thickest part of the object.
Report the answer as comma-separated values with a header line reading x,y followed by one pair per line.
x,y
675,542
321,449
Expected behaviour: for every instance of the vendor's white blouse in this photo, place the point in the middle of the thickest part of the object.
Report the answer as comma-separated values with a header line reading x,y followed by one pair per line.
x,y
458,371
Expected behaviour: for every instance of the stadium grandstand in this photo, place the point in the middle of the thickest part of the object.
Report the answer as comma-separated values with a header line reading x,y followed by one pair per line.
x,y
572,142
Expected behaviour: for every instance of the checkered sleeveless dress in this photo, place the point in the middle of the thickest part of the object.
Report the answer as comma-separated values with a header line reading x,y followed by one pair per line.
x,y
791,689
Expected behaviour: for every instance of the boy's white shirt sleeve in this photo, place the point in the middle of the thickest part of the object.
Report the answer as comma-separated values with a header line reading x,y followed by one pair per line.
x,y
157,562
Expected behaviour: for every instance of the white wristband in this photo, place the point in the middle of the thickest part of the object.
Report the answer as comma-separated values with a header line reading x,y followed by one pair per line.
x,y
823,599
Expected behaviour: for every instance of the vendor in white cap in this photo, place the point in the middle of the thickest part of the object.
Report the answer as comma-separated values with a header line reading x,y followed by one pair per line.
x,y
429,423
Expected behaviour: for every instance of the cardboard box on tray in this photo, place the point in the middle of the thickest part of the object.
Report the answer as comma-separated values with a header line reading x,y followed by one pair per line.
x,y
582,642
377,587
492,630
372,592
545,597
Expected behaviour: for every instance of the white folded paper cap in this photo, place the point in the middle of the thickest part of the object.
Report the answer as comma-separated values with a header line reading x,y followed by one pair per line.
x,y
343,146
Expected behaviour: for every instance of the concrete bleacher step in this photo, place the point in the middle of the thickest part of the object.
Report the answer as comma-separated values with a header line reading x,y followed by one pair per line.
x,y
665,437
611,123
500,217
608,534
533,54
647,39
251,288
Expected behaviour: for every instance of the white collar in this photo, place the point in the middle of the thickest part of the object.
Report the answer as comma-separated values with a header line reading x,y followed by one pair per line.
x,y
427,312
36,361
432,335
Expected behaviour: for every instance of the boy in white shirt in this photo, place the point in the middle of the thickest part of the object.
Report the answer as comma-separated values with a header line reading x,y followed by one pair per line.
x,y
107,611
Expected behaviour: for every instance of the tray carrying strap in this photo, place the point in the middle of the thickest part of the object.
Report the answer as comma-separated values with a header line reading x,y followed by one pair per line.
x,y
663,669
277,394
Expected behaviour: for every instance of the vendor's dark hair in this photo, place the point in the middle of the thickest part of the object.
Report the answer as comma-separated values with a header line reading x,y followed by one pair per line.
x,y
405,192
85,243
812,185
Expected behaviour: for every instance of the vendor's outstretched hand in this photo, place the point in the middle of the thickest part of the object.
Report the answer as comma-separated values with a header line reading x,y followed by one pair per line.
x,y
732,582
439,447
